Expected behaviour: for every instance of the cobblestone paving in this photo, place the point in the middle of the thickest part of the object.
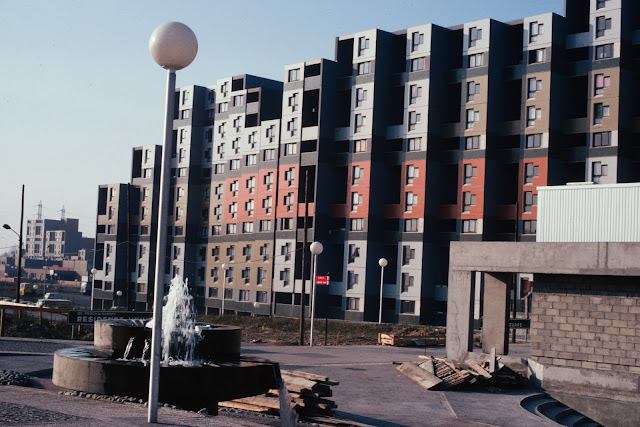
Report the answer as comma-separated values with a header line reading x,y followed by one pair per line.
x,y
11,413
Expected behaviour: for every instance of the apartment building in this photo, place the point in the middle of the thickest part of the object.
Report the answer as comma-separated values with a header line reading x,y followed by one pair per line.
x,y
406,141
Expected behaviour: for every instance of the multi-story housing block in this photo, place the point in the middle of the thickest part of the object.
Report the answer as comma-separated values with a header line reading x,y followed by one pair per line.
x,y
404,142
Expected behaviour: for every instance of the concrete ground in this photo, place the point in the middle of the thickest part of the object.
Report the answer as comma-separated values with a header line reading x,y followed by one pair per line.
x,y
371,391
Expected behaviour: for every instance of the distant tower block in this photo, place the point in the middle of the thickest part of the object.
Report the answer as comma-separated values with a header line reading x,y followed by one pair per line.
x,y
39,209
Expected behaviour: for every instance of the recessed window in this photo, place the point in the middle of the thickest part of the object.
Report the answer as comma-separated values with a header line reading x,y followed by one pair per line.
x,y
530,200
415,92
294,101
602,139
533,114
417,64
476,60
364,68
535,29
354,252
412,173
358,173
600,111
537,55
534,86
292,126
472,143
223,107
468,200
353,303
472,117
363,45
414,119
407,283
533,141
360,146
287,201
601,4
361,96
269,154
417,39
356,200
473,89
529,227
360,122
602,24
470,172
407,307
407,255
294,75
411,225
604,51
469,226
475,34
530,171
252,159
271,133
601,82
290,176
411,200
598,170
352,279
356,224
414,144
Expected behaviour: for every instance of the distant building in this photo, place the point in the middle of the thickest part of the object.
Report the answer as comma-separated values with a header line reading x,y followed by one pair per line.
x,y
54,239
410,140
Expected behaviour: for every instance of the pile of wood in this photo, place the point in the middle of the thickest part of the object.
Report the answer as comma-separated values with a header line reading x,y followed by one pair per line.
x,y
442,374
438,338
309,393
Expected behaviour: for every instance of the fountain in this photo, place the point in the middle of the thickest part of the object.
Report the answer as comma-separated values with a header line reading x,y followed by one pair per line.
x,y
201,364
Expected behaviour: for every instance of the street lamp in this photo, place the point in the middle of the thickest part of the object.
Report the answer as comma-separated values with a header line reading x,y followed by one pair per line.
x,y
225,268
256,305
173,46
382,262
119,294
35,290
316,249
8,227
93,282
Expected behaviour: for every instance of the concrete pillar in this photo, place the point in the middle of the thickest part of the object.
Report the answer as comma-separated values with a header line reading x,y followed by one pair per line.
x,y
495,323
460,314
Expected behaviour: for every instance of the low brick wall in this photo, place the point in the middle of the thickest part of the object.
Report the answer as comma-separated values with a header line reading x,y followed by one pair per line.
x,y
587,322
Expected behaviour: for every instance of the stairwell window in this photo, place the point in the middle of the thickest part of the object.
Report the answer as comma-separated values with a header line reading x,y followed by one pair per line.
x,y
535,29
602,24
475,34
417,39
599,112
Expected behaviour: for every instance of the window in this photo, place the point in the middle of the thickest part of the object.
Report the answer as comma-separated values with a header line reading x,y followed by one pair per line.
x,y
417,64
353,303
290,176
265,225
414,119
237,124
251,139
251,184
261,296
414,144
216,230
361,121
468,200
601,82
407,254
252,159
144,230
107,250
223,107
111,213
407,307
598,170
228,293
222,129
354,252
360,146
220,151
470,172
535,29
601,139
533,114
407,283
412,173
285,250
530,200
268,180
246,275
267,204
356,200
473,89
145,193
142,251
182,172
233,209
224,88
357,224
288,201
179,231
112,196
472,117
234,164
294,75
269,154
533,86
185,96
213,292
231,250
184,135
534,141
363,44
148,173
215,253
358,173
247,227
145,213
361,96
185,114
271,133
537,55
599,112
416,40
290,149
176,252
411,225
364,68
530,171
601,4
411,200
469,226
604,51
294,102
249,207
415,92
292,126
529,227
602,24
475,34
472,143
233,188
285,276
111,229
476,60
180,193
352,279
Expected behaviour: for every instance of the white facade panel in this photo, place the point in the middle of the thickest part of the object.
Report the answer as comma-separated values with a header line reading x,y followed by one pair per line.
x,y
589,213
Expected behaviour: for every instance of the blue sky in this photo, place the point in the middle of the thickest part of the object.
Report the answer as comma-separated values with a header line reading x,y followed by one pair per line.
x,y
78,88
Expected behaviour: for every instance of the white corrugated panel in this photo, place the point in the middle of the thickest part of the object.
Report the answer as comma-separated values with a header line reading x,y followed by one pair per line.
x,y
589,213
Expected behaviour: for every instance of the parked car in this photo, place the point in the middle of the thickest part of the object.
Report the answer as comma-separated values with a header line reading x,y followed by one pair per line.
x,y
55,303
53,295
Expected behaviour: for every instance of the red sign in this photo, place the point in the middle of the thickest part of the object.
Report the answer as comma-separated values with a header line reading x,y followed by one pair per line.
x,y
322,280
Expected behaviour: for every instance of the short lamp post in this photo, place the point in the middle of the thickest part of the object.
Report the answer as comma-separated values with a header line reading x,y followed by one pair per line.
x,y
382,262
35,290
119,294
316,249
256,306
8,227
173,46
225,268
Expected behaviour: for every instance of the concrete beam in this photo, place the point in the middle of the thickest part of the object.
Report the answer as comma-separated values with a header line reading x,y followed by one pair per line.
x,y
609,259
460,315
495,332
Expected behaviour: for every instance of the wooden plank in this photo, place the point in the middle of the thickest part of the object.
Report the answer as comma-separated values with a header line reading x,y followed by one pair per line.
x,y
263,401
310,377
422,377
477,368
243,406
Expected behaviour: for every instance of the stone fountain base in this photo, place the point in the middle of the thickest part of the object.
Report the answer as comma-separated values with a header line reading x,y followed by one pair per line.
x,y
225,375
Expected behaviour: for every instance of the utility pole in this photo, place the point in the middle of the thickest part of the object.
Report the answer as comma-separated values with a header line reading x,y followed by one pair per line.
x,y
304,254
20,247
515,277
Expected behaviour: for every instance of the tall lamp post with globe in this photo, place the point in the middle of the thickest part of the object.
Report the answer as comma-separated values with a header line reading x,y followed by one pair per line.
x,y
316,249
173,46
382,262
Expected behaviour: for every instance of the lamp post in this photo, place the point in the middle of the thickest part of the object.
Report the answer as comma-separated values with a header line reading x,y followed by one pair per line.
x,y
382,262
173,46
119,294
8,227
93,282
316,249
225,268
35,290
256,305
